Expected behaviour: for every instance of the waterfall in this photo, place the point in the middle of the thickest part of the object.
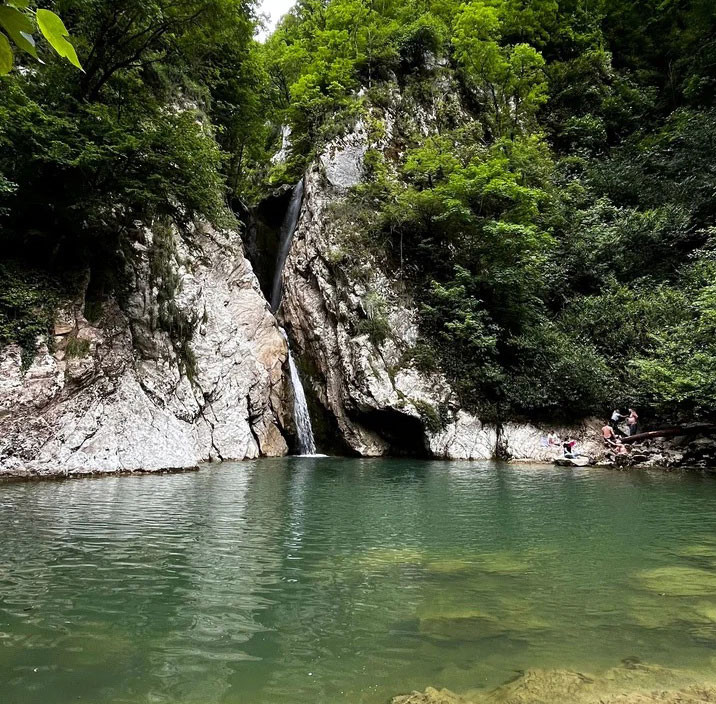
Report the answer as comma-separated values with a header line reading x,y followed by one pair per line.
x,y
301,418
286,236
304,430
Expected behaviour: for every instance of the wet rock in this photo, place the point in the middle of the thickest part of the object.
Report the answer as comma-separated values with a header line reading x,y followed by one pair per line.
x,y
542,687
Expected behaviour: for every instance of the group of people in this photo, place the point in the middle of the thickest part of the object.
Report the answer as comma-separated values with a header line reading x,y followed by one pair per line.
x,y
612,434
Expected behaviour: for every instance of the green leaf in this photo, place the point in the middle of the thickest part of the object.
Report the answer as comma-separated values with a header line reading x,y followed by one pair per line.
x,y
19,27
5,55
55,32
19,4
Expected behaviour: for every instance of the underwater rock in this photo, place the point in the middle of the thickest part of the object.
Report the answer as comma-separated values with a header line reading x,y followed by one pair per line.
x,y
678,581
705,551
694,694
630,683
383,558
430,696
450,566
503,563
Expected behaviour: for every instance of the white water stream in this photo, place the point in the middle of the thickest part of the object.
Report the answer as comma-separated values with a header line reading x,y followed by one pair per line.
x,y
301,417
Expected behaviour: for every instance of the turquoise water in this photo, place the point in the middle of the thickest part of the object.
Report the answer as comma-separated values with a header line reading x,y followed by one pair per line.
x,y
340,580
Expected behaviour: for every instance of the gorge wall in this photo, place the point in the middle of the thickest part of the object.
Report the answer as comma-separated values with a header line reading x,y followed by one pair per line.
x,y
380,400
121,394
192,366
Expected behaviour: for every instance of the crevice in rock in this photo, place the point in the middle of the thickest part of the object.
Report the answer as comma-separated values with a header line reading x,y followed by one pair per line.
x,y
261,234
211,432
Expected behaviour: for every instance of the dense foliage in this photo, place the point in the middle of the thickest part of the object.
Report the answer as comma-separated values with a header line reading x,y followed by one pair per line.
x,y
555,217
141,133
541,173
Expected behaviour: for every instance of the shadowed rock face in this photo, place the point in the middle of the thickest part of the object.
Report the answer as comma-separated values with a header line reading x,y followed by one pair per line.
x,y
631,683
121,394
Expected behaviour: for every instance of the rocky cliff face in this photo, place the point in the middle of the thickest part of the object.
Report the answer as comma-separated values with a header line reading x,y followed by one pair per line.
x,y
381,401
188,369
381,404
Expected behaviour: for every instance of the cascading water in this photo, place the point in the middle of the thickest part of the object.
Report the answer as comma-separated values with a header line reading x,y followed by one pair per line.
x,y
301,417
287,229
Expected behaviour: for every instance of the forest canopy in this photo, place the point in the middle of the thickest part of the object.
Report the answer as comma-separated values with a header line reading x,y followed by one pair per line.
x,y
556,228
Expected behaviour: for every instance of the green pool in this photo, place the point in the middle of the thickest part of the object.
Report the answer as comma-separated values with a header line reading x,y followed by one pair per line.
x,y
339,580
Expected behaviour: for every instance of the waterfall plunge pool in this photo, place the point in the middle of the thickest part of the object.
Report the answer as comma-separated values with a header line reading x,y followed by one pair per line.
x,y
299,580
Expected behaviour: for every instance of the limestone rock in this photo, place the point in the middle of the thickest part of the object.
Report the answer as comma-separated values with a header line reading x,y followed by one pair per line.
x,y
342,161
542,687
381,404
630,683
465,437
123,395
525,441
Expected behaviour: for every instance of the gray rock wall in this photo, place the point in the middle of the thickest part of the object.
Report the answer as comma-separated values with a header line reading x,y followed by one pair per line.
x,y
121,394
381,403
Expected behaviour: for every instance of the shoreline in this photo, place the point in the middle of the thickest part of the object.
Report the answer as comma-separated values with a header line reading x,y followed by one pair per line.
x,y
60,476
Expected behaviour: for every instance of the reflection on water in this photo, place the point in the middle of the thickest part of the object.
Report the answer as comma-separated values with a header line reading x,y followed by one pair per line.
x,y
322,580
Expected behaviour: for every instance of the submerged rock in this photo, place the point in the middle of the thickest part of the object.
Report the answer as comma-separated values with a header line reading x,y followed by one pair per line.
x,y
542,687
430,696
450,566
678,581
706,551
631,683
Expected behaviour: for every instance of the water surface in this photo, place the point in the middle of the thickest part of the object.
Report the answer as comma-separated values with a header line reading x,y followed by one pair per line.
x,y
337,580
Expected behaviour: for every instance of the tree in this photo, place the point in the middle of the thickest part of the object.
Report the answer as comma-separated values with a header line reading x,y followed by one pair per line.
x,y
508,81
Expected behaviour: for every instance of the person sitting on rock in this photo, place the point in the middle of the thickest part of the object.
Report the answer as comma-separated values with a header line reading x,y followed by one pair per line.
x,y
568,448
552,438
